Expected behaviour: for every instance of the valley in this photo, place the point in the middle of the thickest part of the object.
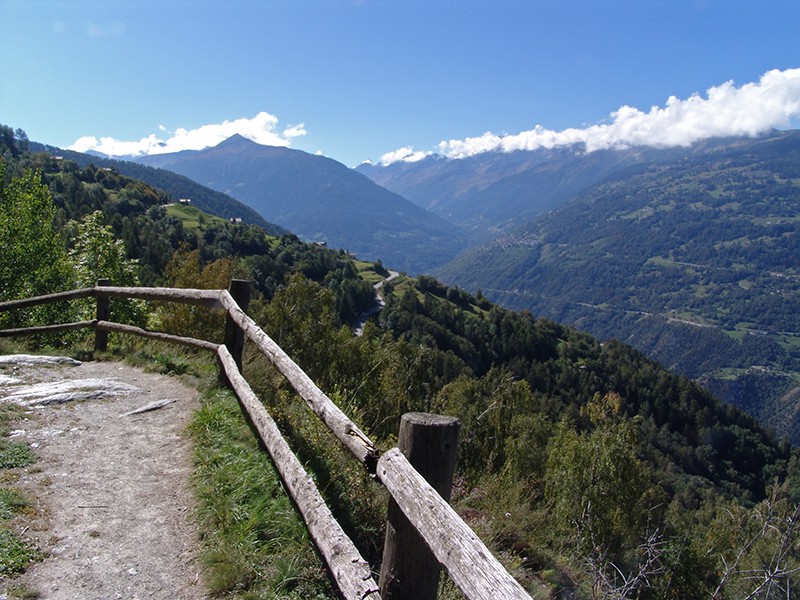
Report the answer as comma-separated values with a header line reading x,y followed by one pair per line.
x,y
687,254
556,423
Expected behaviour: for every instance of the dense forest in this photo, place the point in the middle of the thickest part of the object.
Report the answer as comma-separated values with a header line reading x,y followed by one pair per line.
x,y
592,471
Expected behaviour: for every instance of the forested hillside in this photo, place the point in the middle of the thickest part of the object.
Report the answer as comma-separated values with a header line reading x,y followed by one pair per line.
x,y
591,470
174,185
153,229
692,261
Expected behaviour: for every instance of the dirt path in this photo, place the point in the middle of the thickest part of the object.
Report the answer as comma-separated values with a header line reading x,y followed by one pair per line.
x,y
113,502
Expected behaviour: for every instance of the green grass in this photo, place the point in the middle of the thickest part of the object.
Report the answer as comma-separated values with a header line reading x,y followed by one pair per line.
x,y
735,334
255,545
192,218
11,503
15,455
789,342
194,367
367,272
15,553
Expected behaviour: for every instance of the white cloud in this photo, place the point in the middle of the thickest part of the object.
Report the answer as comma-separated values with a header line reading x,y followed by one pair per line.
x,y
727,110
405,154
293,131
261,129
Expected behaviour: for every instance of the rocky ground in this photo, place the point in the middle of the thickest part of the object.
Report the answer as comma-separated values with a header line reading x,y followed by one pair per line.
x,y
111,486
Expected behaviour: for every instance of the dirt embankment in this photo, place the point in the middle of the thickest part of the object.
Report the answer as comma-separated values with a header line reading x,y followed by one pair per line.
x,y
111,489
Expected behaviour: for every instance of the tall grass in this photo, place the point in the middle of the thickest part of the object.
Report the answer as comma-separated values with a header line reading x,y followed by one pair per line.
x,y
255,545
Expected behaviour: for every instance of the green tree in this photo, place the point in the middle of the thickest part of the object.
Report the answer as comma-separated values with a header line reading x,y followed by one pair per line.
x,y
600,501
97,254
185,270
488,408
33,258
301,320
595,481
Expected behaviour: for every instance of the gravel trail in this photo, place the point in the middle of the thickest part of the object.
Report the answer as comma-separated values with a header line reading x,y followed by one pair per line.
x,y
111,489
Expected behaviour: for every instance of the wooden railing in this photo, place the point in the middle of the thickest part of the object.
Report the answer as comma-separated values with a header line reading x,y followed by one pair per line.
x,y
423,531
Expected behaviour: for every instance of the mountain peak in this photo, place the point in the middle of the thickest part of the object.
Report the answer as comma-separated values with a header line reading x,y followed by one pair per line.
x,y
237,139
239,144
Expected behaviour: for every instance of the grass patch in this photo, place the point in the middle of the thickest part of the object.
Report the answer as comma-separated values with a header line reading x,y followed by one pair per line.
x,y
15,455
255,545
22,592
192,218
11,503
736,334
193,367
367,272
15,553
789,342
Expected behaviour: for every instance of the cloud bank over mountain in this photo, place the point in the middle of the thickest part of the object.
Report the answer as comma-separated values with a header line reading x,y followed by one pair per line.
x,y
727,110
262,129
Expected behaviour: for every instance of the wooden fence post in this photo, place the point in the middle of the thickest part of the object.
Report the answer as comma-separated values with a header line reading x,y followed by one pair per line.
x,y
234,336
101,314
409,570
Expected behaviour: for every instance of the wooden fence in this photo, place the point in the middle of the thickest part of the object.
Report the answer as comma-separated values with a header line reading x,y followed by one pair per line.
x,y
423,532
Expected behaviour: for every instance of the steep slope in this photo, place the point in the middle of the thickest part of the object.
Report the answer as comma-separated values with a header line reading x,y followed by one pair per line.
x,y
320,199
494,191
177,186
435,181
692,261
525,389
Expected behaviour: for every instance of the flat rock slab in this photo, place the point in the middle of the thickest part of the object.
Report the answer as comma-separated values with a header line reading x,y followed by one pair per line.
x,y
112,493
61,392
27,360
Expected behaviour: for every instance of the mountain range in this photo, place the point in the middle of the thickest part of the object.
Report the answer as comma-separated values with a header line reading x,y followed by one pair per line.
x,y
555,424
688,254
692,259
321,200
491,192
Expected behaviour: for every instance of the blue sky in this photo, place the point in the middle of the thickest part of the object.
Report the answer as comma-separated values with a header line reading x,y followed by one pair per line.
x,y
360,79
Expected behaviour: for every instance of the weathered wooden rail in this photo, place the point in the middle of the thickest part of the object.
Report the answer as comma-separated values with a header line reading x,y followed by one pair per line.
x,y
423,531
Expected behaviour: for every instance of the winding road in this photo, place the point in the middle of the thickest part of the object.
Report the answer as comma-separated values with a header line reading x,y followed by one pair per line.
x,y
358,326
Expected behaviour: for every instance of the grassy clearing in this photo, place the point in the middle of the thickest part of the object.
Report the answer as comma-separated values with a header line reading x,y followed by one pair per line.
x,y
193,218
367,272
789,342
255,545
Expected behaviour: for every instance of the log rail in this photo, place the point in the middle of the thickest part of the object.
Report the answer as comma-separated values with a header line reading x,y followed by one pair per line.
x,y
470,564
